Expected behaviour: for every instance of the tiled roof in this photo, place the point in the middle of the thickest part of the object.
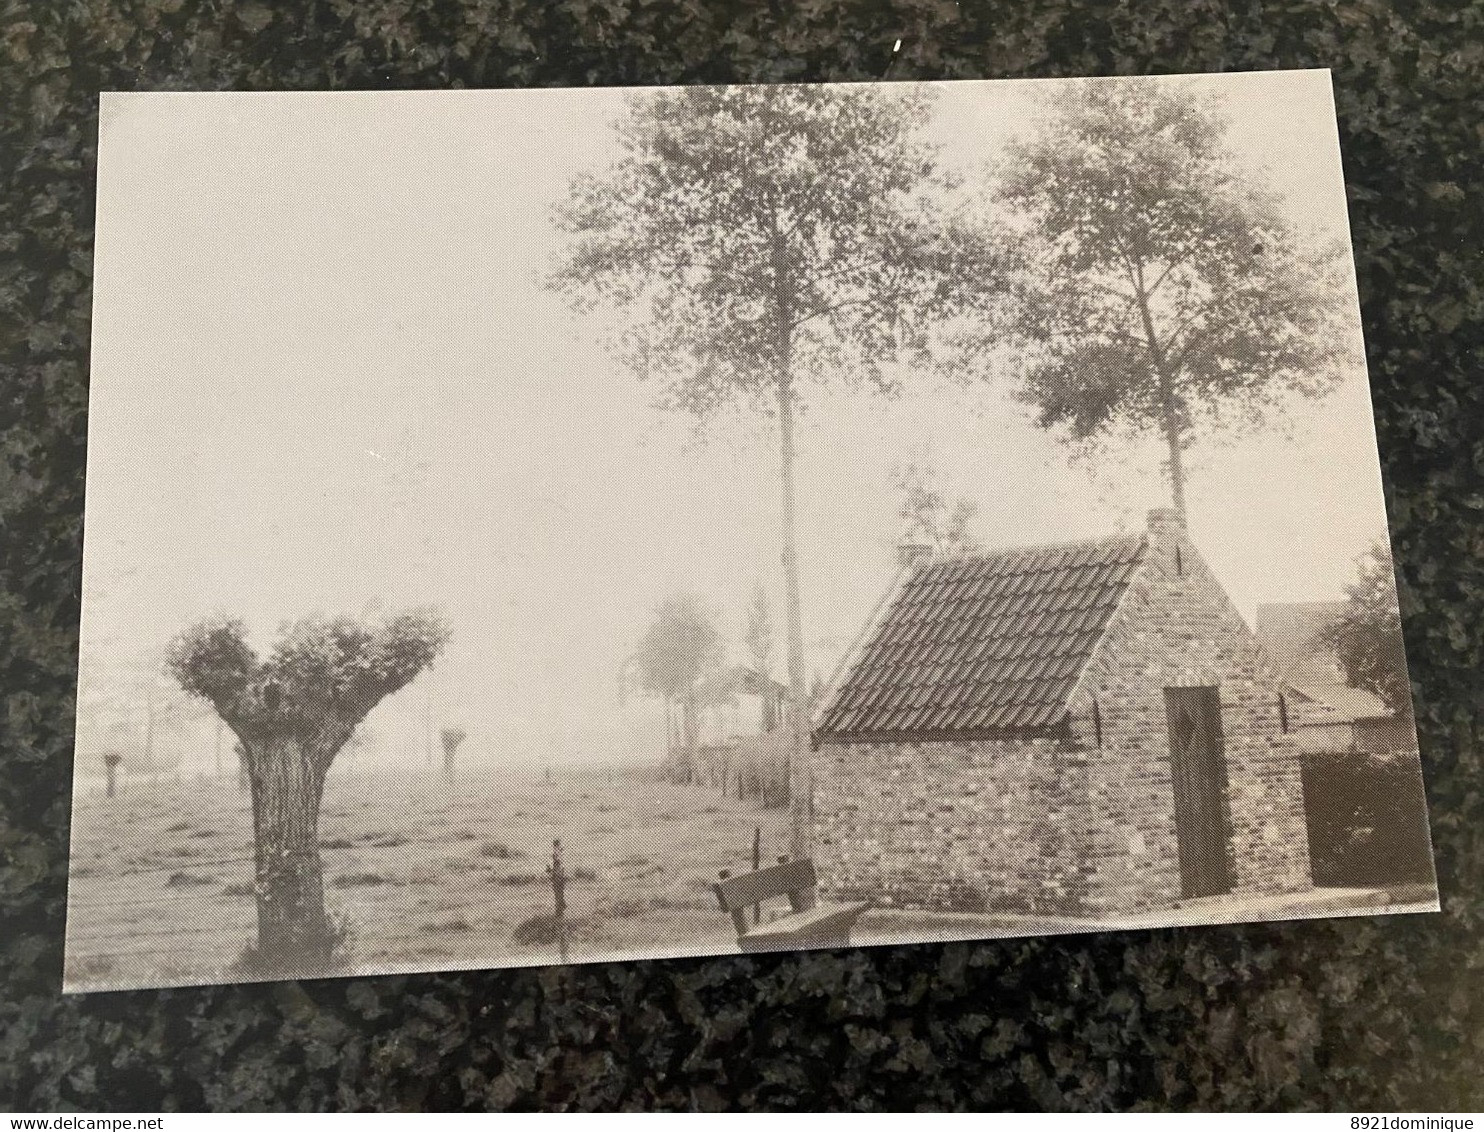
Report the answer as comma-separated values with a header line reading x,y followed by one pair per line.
x,y
1343,703
992,643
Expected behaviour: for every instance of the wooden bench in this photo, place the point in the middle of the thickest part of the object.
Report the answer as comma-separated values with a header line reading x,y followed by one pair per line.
x,y
809,925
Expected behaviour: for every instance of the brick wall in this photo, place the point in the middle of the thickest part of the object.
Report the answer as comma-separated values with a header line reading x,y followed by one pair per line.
x,y
985,825
1176,627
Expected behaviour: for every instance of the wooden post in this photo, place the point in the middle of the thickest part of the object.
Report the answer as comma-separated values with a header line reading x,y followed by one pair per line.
x,y
110,766
757,861
559,896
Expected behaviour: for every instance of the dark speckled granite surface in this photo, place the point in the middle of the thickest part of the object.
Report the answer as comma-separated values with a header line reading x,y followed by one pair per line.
x,y
1365,1014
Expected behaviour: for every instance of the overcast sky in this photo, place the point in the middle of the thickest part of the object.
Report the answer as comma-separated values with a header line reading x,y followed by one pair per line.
x,y
325,379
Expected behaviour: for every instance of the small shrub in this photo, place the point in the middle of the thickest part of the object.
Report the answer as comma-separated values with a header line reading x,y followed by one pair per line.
x,y
540,930
623,908
178,827
465,835
517,879
605,808
499,851
351,880
336,843
95,969
631,863
240,888
964,897
185,880
583,874
389,841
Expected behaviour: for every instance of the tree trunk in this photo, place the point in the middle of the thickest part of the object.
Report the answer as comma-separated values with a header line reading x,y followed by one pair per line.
x,y
690,720
1173,441
1169,402
798,756
288,781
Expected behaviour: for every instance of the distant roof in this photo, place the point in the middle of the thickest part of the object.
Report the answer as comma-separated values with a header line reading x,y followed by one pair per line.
x,y
1289,632
991,643
738,678
1345,704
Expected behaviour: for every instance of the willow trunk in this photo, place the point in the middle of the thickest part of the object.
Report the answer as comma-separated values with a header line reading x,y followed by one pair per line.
x,y
288,782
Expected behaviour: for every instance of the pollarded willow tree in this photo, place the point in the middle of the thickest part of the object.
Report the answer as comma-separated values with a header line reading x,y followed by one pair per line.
x,y
292,713
451,737
755,239
1163,288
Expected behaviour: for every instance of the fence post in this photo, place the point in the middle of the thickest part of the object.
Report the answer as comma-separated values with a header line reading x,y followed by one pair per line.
x,y
757,861
559,896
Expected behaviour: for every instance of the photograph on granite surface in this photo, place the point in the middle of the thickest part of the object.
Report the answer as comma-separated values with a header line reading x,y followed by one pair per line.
x,y
547,526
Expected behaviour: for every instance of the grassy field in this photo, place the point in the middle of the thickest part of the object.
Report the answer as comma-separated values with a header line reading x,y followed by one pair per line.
x,y
429,876
424,874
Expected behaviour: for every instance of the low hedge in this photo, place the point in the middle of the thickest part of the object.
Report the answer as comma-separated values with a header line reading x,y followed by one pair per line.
x,y
1367,818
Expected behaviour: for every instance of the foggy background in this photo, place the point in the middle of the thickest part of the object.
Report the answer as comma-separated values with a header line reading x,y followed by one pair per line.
x,y
326,379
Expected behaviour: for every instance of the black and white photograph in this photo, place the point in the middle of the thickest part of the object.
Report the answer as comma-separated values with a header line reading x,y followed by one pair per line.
x,y
555,526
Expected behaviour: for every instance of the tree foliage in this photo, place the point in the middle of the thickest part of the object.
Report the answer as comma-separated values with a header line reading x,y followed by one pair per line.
x,y
1367,639
323,677
928,513
759,636
681,645
1162,286
739,223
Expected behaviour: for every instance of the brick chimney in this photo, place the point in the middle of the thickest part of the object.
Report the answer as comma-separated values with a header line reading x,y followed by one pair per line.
x,y
911,552
1167,538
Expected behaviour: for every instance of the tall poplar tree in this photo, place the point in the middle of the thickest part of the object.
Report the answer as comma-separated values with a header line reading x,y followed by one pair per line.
x,y
752,240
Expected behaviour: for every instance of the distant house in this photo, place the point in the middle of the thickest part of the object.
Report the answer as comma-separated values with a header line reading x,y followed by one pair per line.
x,y
1088,728
738,701
1325,712
741,744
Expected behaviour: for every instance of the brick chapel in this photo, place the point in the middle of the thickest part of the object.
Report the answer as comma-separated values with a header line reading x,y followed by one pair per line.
x,y
1085,729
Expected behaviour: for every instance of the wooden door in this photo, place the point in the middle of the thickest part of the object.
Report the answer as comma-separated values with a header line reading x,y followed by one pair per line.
x,y
1198,763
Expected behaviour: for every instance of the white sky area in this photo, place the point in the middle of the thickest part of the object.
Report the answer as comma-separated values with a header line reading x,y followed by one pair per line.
x,y
326,379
